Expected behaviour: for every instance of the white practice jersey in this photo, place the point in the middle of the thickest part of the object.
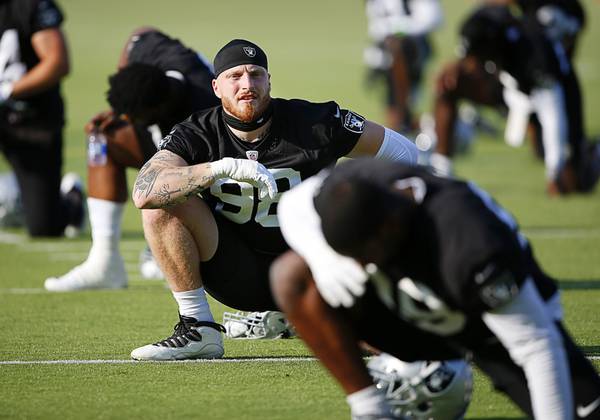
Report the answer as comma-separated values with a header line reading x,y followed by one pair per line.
x,y
405,17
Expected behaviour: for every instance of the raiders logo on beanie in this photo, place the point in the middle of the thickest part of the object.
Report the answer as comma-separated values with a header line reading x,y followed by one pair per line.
x,y
238,52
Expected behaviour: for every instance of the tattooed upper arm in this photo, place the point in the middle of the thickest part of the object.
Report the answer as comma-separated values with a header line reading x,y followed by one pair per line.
x,y
167,157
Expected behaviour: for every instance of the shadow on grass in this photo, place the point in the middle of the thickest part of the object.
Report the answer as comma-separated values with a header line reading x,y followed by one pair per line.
x,y
588,284
590,350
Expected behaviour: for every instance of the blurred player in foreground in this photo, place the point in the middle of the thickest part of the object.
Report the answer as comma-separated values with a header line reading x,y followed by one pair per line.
x,y
160,82
209,196
419,267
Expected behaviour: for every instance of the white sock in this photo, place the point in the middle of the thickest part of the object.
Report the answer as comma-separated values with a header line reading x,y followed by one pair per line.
x,y
193,303
105,222
368,401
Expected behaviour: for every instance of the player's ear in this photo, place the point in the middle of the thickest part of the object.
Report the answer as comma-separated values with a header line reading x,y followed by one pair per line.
x,y
215,87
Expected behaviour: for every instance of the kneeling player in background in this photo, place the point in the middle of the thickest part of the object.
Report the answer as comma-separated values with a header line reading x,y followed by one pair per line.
x,y
159,83
422,267
399,52
510,62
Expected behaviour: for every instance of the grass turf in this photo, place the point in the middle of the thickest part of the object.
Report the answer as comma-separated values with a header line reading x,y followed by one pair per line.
x,y
314,49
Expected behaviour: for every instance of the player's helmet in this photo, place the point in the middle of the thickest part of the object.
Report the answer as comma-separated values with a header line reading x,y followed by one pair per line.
x,y
424,390
269,324
488,32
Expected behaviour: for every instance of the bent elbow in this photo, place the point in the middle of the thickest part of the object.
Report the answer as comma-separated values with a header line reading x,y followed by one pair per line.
x,y
140,201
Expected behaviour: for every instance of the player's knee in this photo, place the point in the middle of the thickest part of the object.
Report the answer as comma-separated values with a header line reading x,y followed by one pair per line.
x,y
41,225
155,220
289,277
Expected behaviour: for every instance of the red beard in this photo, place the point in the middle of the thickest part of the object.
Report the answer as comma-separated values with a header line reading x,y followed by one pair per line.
x,y
246,112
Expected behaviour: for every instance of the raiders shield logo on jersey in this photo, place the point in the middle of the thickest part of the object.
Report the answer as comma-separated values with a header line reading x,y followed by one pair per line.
x,y
354,122
250,51
165,140
252,154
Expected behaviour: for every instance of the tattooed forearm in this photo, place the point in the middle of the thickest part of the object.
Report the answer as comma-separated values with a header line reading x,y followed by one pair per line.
x,y
164,195
166,180
192,187
145,181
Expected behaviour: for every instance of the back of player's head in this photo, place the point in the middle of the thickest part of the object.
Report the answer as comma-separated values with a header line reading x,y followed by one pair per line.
x,y
138,89
238,52
354,207
486,31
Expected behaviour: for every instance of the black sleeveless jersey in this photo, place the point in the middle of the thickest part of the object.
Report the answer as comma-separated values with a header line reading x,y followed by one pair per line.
x,y
304,137
19,21
176,60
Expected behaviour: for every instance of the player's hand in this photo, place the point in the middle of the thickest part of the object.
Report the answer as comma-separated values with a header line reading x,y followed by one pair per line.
x,y
248,171
102,122
340,279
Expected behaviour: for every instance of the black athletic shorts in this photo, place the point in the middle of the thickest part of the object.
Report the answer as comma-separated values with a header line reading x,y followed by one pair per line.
x,y
237,275
34,150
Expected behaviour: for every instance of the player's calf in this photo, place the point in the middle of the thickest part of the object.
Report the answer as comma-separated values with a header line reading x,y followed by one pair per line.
x,y
289,281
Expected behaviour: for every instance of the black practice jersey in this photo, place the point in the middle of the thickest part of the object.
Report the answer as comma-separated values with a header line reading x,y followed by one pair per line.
x,y
523,51
570,7
181,63
19,21
303,138
464,254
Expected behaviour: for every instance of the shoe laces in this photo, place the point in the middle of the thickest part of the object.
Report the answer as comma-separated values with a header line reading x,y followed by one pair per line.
x,y
184,332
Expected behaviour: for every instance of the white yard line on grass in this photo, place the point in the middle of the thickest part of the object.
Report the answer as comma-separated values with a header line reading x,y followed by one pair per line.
x,y
58,246
119,361
22,291
129,361
10,238
82,256
30,245
559,233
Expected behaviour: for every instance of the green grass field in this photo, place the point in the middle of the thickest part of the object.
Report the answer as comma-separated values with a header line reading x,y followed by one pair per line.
x,y
315,50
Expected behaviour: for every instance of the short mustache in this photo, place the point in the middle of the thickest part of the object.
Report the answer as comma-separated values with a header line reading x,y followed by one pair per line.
x,y
248,95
